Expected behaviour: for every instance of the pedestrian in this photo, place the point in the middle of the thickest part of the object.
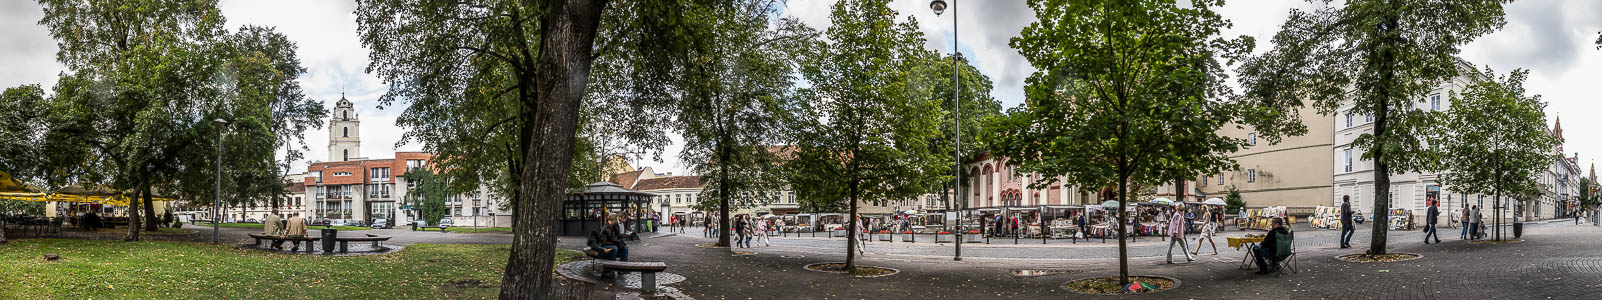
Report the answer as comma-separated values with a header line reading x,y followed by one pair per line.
x,y
1478,219
1082,226
861,247
762,233
1464,220
1347,229
706,230
1209,226
739,234
1430,216
1176,233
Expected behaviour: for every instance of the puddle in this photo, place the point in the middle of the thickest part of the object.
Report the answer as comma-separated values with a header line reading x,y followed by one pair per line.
x,y
1037,272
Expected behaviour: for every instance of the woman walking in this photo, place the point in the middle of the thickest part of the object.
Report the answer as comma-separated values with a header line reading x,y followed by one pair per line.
x,y
762,233
1209,227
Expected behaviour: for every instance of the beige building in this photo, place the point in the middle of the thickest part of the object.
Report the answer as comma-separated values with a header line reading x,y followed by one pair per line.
x,y
1294,173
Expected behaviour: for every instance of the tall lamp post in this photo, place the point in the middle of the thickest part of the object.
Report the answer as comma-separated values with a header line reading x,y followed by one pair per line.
x,y
216,238
939,6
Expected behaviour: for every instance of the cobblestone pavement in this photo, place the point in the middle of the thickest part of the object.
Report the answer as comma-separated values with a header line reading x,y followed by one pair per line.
x,y
1558,260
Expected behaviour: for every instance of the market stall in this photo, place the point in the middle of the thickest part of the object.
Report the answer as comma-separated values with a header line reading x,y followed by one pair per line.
x,y
1326,217
1401,219
1061,220
1261,219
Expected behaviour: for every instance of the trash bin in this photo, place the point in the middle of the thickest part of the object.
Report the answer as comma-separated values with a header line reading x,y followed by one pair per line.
x,y
328,239
1518,230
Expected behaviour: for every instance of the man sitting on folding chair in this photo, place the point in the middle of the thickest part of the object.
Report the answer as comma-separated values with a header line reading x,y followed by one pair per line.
x,y
1274,249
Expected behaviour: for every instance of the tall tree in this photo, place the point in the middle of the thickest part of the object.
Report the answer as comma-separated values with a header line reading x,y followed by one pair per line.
x,y
1378,56
531,61
1495,139
22,123
932,80
1127,95
734,100
137,67
863,136
429,193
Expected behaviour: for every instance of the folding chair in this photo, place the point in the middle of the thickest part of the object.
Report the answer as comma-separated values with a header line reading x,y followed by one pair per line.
x,y
1285,254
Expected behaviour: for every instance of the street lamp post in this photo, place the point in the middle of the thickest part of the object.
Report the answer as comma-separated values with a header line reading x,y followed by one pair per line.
x,y
939,6
216,238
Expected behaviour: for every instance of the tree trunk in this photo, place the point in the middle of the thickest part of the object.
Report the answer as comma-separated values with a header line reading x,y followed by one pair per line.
x,y
563,68
133,215
1179,189
723,194
151,221
1382,171
851,230
1496,224
1123,233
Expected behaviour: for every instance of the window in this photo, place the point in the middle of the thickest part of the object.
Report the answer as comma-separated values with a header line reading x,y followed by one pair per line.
x,y
1368,118
1348,154
1253,138
347,115
1251,175
1435,102
346,156
347,131
1220,179
1204,180
380,173
1348,120
341,173
413,164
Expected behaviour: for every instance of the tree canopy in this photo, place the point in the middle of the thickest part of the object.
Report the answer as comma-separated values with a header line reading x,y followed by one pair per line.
x,y
1494,139
1371,57
864,135
1127,93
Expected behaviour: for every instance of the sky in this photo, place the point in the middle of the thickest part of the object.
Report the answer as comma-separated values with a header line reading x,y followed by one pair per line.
x,y
1552,38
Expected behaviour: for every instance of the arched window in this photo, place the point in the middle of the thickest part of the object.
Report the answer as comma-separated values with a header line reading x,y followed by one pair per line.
x,y
347,115
347,132
347,154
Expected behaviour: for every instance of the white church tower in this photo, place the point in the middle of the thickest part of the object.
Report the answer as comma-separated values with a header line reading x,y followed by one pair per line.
x,y
344,134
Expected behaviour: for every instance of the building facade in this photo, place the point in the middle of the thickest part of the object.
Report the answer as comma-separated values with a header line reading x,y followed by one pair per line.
x,y
1294,173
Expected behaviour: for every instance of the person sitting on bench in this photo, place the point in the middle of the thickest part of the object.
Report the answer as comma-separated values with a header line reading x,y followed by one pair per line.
x,y
270,226
1265,250
612,238
296,230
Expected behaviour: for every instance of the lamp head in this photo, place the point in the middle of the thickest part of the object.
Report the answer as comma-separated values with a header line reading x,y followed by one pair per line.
x,y
939,6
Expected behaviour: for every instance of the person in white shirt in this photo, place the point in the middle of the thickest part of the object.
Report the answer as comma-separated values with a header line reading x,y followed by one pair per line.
x,y
762,233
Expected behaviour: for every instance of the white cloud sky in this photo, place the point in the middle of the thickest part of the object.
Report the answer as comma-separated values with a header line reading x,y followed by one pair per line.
x,y
1553,38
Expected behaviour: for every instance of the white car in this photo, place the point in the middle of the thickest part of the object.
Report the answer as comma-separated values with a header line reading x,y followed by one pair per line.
x,y
445,222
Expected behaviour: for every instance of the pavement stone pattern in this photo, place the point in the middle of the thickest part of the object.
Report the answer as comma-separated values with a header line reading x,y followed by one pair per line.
x,y
1557,261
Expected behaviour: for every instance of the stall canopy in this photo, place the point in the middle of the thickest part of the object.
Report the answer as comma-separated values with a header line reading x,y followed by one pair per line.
x,y
1214,201
11,189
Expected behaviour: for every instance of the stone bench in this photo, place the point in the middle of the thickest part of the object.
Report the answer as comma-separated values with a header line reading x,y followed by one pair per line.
x,y
344,242
647,271
310,240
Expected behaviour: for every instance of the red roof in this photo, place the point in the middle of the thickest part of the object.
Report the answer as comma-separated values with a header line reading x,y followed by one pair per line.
x,y
674,182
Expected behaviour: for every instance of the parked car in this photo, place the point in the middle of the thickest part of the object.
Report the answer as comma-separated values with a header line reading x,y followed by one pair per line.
x,y
1357,218
320,222
445,222
338,222
381,223
251,220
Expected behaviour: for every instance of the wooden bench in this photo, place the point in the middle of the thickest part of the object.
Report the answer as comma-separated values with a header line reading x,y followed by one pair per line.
x,y
310,240
647,271
344,242
425,228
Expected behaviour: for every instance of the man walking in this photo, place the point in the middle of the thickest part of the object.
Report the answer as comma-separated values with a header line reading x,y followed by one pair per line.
x,y
1347,230
1176,233
1464,219
1474,234
1430,217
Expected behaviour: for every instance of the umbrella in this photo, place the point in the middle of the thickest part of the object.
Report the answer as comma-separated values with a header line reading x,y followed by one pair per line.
x,y
1162,201
1109,203
911,212
1214,201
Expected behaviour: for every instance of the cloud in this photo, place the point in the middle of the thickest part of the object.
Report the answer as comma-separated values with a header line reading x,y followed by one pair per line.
x,y
29,52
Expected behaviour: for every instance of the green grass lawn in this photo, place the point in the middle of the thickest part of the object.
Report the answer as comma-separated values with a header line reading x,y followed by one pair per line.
x,y
177,270
258,226
480,229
